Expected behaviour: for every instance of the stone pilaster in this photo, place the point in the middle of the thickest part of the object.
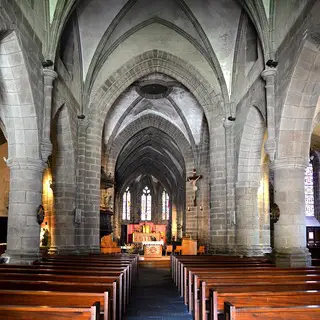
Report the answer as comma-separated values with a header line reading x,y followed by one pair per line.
x,y
46,145
230,185
247,224
23,237
269,76
290,230
80,196
63,219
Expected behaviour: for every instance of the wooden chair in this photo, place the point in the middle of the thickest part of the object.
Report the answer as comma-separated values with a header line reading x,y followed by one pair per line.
x,y
201,250
169,249
178,250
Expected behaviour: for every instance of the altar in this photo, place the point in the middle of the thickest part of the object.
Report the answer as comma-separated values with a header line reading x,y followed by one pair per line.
x,y
145,236
152,248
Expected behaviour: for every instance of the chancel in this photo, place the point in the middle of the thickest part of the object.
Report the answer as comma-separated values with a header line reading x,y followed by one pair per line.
x,y
140,135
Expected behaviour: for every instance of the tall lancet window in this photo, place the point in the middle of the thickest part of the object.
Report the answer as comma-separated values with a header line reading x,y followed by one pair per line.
x,y
165,205
126,202
146,204
308,191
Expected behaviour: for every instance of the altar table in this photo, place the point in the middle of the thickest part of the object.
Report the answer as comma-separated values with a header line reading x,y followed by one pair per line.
x,y
140,236
152,248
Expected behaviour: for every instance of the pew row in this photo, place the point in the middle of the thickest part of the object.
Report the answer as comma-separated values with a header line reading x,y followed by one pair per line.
x,y
48,313
264,298
306,312
55,299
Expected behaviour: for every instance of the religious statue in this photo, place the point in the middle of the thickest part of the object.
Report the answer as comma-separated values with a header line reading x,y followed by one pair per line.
x,y
193,179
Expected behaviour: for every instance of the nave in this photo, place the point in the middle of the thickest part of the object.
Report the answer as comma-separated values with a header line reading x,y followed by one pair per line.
x,y
155,296
116,287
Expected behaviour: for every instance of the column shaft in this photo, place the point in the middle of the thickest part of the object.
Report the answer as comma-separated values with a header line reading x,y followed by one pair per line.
x,y
290,230
23,237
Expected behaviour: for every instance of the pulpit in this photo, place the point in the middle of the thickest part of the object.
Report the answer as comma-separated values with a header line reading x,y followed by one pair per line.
x,y
189,247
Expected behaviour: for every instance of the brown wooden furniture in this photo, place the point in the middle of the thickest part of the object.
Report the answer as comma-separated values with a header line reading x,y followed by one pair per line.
x,y
169,249
201,250
55,299
178,250
265,299
189,247
272,313
48,313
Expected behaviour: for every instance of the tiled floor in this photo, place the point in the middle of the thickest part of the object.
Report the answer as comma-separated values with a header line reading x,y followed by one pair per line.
x,y
156,297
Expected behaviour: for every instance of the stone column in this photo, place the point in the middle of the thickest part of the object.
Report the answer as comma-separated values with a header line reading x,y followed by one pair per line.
x,y
290,230
46,145
230,185
63,219
269,76
80,178
23,238
248,224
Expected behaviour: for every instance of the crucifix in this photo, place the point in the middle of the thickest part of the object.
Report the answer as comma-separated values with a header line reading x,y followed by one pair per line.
x,y
193,179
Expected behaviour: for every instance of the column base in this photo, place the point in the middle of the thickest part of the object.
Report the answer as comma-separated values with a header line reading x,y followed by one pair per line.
x,y
250,251
21,257
297,257
63,250
94,249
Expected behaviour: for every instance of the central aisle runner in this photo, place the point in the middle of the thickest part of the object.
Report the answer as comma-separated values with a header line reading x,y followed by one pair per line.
x,y
156,297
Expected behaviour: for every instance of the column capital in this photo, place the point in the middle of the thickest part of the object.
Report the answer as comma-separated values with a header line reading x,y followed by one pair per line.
x,y
50,74
285,163
46,149
26,163
268,73
228,125
270,148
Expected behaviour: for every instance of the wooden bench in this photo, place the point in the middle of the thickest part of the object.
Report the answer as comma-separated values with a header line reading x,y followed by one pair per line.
x,y
272,313
227,272
48,313
111,288
201,311
265,299
55,299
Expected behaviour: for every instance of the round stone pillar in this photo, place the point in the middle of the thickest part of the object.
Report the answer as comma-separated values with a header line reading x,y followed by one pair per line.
x,y
23,237
247,221
290,230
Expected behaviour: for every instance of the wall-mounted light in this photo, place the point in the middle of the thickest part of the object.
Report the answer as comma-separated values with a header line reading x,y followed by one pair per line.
x,y
201,208
188,208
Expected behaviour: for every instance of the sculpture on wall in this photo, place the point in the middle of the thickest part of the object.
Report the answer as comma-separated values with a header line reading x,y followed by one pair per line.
x,y
40,214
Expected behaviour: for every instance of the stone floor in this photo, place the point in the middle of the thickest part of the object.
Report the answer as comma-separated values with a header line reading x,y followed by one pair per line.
x,y
156,297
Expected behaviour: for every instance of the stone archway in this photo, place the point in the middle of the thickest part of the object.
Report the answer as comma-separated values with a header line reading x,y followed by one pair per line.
x,y
64,231
248,183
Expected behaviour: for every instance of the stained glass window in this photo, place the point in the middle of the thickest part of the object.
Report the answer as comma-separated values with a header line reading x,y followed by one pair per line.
x,y
126,202
165,205
308,191
146,204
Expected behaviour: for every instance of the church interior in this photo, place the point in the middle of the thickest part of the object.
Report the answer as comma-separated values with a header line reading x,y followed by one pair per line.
x,y
140,135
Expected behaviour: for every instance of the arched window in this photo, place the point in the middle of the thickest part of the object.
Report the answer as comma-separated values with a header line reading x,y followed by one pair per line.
x,y
308,191
126,199
165,205
146,204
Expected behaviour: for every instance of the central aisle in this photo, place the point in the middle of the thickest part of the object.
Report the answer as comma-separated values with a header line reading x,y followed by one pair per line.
x,y
156,297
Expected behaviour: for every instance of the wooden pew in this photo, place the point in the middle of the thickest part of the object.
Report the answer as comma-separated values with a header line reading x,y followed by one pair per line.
x,y
48,313
55,299
201,311
265,299
29,285
272,313
69,278
112,271
213,273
